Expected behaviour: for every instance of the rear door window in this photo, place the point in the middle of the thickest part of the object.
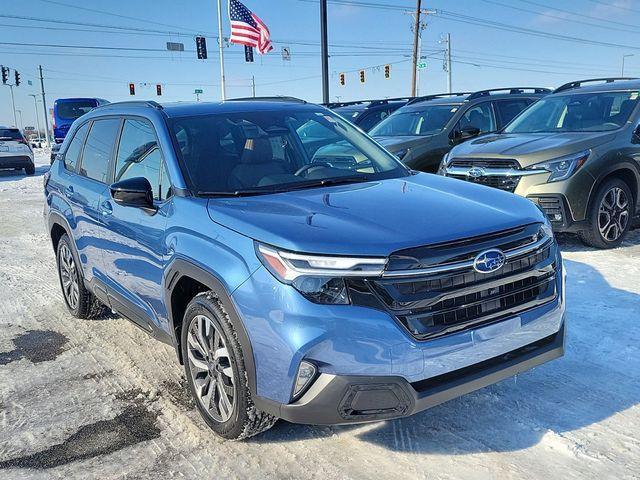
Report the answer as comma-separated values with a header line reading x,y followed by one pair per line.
x,y
72,156
99,148
509,109
139,156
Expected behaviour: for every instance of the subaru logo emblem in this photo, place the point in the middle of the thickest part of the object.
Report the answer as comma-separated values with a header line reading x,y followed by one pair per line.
x,y
489,261
476,172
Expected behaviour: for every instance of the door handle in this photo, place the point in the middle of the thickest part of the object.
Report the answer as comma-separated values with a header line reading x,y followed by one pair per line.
x,y
106,208
68,192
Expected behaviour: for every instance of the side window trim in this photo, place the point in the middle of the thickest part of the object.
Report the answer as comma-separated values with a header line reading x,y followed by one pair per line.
x,y
112,169
112,154
81,152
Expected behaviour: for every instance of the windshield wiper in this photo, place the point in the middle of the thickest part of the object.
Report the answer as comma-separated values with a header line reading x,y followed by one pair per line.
x,y
237,193
287,188
326,182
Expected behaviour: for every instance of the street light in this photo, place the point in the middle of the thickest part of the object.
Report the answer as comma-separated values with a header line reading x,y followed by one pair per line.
x,y
35,103
623,57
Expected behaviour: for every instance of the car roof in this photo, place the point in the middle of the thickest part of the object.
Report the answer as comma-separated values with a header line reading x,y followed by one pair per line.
x,y
599,85
184,109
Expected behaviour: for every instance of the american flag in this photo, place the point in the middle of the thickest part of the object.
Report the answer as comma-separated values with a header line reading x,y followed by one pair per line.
x,y
247,29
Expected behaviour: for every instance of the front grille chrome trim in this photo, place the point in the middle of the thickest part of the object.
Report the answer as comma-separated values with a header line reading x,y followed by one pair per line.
x,y
452,267
492,172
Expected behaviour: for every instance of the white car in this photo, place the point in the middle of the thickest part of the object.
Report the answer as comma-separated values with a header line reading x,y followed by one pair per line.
x,y
15,152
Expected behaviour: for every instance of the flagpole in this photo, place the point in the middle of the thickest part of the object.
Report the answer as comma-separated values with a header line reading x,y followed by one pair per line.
x,y
221,45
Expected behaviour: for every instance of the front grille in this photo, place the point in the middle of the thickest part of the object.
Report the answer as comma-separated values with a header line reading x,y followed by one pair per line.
x,y
505,182
434,304
508,184
484,163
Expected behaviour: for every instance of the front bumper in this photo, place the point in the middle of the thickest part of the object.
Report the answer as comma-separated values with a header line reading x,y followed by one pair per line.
x,y
15,161
339,399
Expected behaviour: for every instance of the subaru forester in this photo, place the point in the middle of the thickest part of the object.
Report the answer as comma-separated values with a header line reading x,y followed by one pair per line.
x,y
294,284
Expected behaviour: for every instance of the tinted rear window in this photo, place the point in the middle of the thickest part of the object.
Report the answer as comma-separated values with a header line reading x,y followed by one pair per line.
x,y
75,109
12,133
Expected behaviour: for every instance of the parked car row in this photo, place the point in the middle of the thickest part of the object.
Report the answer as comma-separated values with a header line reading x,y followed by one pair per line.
x,y
573,151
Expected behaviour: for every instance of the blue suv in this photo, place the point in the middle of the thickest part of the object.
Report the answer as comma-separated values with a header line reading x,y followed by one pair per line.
x,y
295,279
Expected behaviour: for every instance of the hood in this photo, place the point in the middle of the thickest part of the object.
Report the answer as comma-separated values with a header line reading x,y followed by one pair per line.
x,y
395,144
374,218
531,148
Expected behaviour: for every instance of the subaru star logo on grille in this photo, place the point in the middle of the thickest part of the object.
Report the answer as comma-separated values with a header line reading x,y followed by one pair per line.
x,y
489,261
476,172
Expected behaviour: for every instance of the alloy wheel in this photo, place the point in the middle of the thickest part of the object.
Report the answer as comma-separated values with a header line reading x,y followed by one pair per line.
x,y
613,215
210,367
69,277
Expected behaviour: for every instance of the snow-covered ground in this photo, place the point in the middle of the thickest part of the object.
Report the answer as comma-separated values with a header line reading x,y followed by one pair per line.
x,y
100,399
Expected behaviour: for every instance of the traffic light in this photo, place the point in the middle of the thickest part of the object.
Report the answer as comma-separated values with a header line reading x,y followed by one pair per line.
x,y
201,48
362,78
387,71
17,75
343,79
159,90
132,89
5,74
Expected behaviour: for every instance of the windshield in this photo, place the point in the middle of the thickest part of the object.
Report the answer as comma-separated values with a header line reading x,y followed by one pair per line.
x,y
580,112
272,151
413,122
74,109
10,134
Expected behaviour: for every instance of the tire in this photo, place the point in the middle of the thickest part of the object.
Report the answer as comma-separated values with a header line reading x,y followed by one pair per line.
x,y
80,302
30,170
609,216
214,378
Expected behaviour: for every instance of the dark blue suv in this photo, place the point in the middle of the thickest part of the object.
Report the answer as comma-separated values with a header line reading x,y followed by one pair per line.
x,y
297,283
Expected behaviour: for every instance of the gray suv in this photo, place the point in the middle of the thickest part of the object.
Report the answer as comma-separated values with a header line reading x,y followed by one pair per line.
x,y
421,132
575,153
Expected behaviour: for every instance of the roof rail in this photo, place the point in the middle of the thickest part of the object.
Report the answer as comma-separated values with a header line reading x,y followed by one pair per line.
x,y
510,91
276,98
426,98
579,83
133,103
372,103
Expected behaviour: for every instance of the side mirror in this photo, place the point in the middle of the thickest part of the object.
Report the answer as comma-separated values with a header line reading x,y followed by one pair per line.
x,y
134,192
468,132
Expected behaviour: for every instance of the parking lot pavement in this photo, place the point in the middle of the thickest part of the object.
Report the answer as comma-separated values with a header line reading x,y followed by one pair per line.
x,y
99,399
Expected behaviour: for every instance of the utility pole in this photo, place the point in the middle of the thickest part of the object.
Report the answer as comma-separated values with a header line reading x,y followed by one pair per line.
x,y
416,41
324,51
623,58
35,103
13,102
221,45
448,63
253,85
44,106
418,26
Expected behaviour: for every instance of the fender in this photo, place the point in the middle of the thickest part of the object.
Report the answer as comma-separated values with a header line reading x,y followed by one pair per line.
x,y
624,165
182,268
57,218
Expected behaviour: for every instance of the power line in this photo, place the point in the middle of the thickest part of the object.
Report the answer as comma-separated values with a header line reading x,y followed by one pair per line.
x,y
457,17
576,14
562,18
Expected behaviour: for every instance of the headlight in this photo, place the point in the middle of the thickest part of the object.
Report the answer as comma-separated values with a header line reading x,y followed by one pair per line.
x,y
318,278
563,167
